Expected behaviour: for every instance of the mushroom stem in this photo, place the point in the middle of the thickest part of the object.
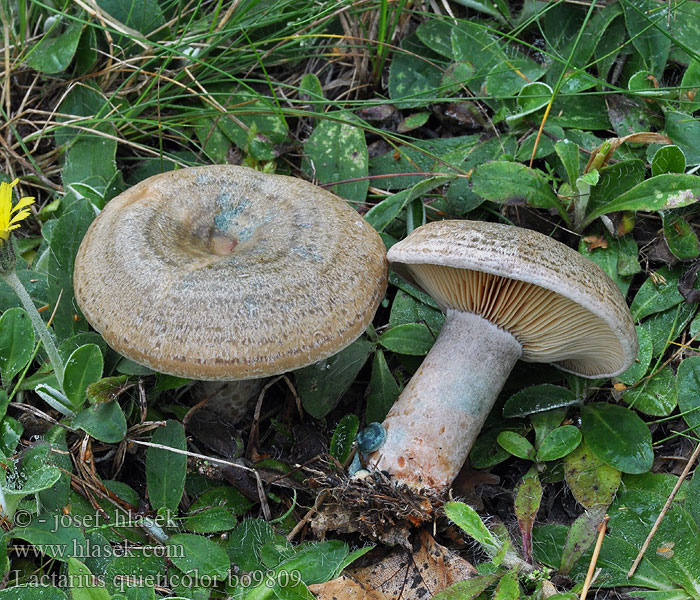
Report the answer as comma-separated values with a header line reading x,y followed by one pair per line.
x,y
433,424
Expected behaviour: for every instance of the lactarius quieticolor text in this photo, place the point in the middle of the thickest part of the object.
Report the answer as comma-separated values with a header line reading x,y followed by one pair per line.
x,y
508,294
226,273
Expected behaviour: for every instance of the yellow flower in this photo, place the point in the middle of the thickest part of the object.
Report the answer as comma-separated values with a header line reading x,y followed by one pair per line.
x,y
10,216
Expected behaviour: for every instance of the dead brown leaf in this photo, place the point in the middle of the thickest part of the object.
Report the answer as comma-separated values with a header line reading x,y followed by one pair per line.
x,y
401,574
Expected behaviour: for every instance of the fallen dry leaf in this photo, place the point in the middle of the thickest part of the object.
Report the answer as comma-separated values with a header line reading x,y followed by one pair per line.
x,y
404,574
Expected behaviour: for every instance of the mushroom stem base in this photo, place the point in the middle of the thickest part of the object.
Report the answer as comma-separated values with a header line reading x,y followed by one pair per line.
x,y
433,424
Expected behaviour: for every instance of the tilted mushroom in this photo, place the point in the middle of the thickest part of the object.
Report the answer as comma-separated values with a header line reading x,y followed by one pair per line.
x,y
226,273
508,294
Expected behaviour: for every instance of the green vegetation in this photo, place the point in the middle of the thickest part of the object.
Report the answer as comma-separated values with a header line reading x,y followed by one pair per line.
x,y
574,119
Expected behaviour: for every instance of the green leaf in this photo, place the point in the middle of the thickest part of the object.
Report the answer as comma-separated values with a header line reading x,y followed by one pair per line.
x,y
55,399
537,398
617,436
104,421
408,309
688,378
344,437
568,153
144,16
106,389
311,88
471,42
619,260
657,294
582,535
32,592
414,339
246,541
532,97
413,121
689,88
86,53
508,587
382,214
210,520
633,513
656,396
502,182
684,130
415,215
383,389
213,141
258,128
545,422
197,555
527,503
56,498
436,34
225,497
467,519
59,542
615,180
336,151
667,325
321,385
68,346
426,156
590,480
66,238
136,572
54,52
643,360
414,77
467,589
10,433
316,562
560,442
680,236
642,83
486,451
165,470
662,192
83,368
647,25
579,111
16,342
82,584
668,159
510,78
516,444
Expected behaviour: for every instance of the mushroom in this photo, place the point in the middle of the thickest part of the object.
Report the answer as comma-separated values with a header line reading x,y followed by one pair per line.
x,y
508,294
226,273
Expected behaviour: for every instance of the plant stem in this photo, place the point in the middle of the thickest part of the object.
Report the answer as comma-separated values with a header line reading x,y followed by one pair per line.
x,y
39,326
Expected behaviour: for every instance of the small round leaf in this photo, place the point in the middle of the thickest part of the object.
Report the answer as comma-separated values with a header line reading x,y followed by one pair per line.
x,y
560,442
516,444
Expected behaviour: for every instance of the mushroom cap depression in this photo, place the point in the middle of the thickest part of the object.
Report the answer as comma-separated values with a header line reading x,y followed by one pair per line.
x,y
560,306
223,272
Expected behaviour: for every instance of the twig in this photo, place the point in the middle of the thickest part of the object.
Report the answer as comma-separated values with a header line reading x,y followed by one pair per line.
x,y
594,559
253,437
262,497
305,519
664,510
228,463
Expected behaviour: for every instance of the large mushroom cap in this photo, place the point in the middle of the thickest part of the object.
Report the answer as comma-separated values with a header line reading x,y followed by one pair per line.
x,y
558,304
224,272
